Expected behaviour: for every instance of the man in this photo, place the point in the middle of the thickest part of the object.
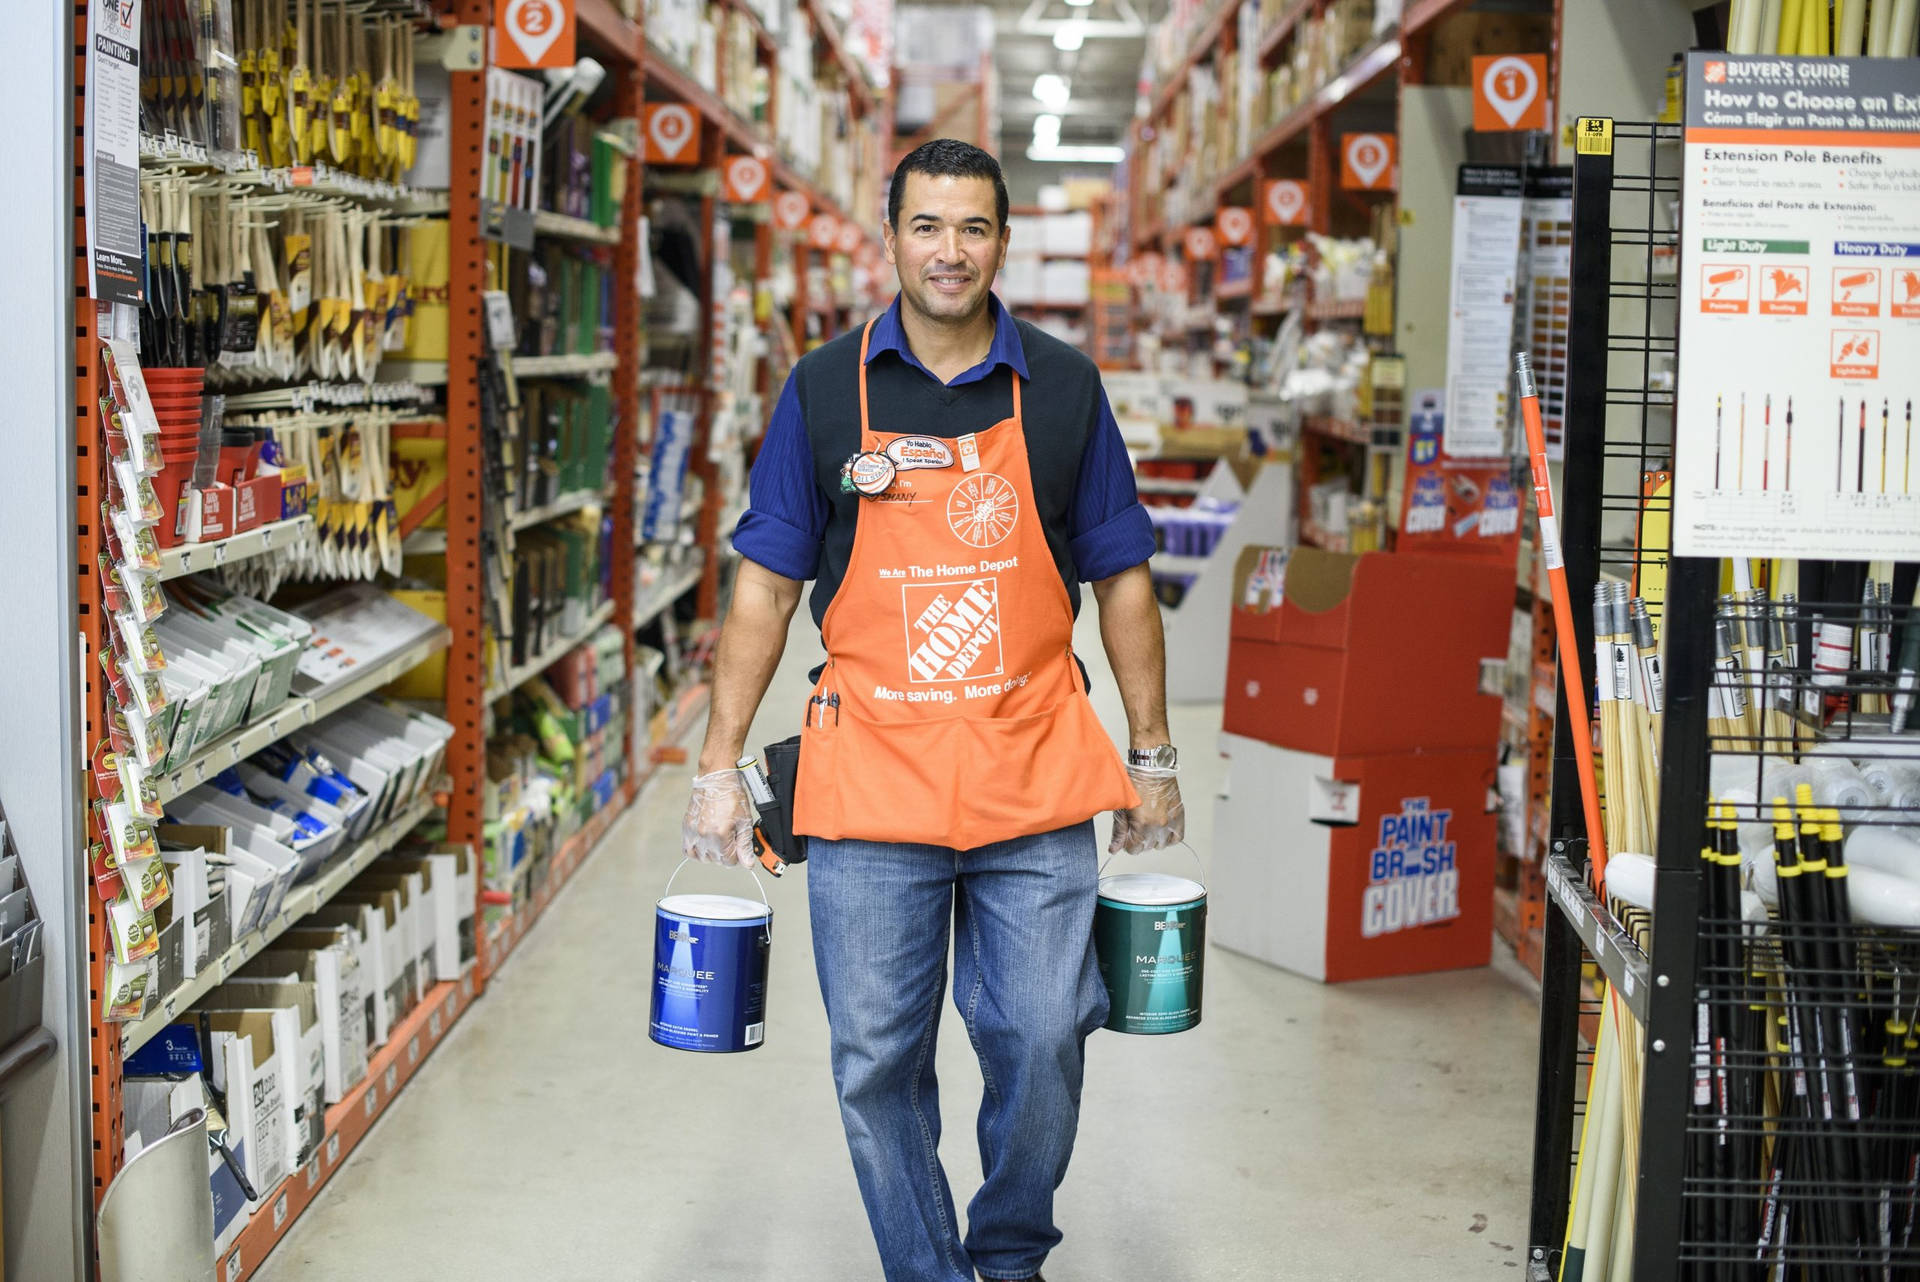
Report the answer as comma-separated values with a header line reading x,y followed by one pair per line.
x,y
947,476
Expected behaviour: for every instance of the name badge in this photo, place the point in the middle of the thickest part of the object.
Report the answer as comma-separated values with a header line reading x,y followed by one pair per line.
x,y
969,454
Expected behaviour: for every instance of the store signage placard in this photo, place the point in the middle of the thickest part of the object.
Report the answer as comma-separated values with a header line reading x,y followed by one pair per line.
x,y
1368,162
114,241
1488,206
847,237
1544,301
1510,92
1173,276
672,134
1451,504
823,231
745,180
530,34
791,210
1799,310
1286,202
1201,244
1234,225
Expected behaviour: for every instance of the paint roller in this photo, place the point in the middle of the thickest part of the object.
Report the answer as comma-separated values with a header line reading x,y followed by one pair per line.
x,y
1837,782
1895,783
568,89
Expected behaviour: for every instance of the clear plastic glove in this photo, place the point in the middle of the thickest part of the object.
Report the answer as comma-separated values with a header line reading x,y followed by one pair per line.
x,y
1159,821
718,828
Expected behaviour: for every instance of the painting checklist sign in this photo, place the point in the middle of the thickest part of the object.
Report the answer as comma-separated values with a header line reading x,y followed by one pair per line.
x,y
1799,309
114,266
1488,206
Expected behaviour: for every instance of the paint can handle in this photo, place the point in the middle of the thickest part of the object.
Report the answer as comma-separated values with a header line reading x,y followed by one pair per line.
x,y
758,884
1191,853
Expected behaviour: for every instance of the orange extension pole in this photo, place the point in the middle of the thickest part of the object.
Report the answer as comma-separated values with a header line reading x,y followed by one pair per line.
x,y
1562,615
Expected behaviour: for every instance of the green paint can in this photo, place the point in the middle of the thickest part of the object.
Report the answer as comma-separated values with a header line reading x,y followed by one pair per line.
x,y
1150,934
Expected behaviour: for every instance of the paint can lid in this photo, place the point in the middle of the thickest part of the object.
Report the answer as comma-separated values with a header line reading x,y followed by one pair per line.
x,y
1156,888
713,907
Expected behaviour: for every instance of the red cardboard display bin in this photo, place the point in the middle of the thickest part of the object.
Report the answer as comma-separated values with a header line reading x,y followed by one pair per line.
x,y
1405,886
1367,654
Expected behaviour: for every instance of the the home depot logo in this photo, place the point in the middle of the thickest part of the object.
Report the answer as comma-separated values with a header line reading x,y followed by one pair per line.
x,y
1715,73
1413,879
953,629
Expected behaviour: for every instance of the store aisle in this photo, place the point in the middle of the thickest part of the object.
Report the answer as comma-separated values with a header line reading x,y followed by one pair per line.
x,y
1303,1132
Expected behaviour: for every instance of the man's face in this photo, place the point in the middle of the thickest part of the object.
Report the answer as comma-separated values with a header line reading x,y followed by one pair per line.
x,y
948,247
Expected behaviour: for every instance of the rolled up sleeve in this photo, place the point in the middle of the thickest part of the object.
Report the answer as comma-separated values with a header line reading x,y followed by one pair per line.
x,y
1108,530
786,514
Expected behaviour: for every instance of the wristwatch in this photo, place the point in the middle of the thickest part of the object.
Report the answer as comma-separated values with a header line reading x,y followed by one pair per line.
x,y
1163,757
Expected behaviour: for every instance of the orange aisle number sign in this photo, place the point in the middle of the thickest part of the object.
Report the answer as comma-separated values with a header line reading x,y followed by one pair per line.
x,y
533,33
1367,162
1234,225
1144,270
1510,92
847,238
673,134
1287,202
746,180
790,210
823,230
1200,244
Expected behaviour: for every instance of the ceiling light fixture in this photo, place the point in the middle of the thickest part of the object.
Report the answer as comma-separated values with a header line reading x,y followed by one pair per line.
x,y
1069,38
1046,128
1082,154
1052,91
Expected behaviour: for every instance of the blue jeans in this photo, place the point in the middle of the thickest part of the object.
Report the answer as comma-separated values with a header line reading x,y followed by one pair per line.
x,y
1025,980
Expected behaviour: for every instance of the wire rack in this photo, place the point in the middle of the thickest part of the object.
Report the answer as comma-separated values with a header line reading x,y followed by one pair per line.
x,y
1619,446
1778,1134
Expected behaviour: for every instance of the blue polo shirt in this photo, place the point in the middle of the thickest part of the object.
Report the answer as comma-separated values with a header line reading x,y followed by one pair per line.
x,y
800,524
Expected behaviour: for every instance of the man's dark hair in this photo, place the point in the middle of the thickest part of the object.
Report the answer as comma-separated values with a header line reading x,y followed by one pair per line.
x,y
947,158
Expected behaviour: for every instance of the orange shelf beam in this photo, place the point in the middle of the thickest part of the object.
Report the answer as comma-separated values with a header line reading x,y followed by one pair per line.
x,y
608,31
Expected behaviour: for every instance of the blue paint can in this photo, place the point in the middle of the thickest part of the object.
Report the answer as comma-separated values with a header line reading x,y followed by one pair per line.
x,y
710,972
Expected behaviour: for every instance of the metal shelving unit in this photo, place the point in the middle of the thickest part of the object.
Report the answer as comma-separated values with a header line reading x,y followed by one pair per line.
x,y
299,902
291,716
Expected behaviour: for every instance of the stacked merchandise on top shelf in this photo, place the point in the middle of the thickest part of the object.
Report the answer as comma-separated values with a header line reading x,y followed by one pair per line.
x,y
1048,274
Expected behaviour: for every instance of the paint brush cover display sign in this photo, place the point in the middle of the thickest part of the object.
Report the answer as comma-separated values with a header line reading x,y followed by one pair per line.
x,y
1799,309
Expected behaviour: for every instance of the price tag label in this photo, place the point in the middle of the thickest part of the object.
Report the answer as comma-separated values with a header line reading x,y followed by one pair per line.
x,y
279,1212
333,1148
1628,983
372,1100
234,1266
500,324
433,1025
313,1174
413,1053
393,1077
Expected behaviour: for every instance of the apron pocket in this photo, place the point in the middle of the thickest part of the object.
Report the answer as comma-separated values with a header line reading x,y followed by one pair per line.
x,y
960,782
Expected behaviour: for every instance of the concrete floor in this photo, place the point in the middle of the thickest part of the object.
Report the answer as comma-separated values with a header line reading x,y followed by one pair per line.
x,y
1303,1132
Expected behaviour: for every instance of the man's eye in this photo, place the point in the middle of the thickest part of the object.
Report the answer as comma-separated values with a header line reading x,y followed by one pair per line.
x,y
976,232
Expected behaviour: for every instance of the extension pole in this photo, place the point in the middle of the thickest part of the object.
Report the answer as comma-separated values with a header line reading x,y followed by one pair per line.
x,y
1571,677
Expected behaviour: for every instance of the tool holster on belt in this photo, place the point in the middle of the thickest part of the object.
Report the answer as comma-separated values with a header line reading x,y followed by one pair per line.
x,y
774,839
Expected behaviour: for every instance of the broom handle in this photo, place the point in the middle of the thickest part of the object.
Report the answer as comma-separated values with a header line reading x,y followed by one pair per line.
x,y
1562,615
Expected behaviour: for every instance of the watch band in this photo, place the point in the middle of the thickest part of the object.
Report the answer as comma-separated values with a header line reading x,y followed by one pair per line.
x,y
1163,757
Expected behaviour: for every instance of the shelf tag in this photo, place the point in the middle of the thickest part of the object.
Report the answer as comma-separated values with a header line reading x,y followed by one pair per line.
x,y
500,326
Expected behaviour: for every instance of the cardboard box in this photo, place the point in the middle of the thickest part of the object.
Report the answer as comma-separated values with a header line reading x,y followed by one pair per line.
x,y
257,1081
1368,654
295,1008
418,911
1401,883
334,958
453,891
381,952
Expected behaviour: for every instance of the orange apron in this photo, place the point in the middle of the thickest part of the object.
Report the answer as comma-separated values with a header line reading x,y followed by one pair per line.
x,y
951,711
